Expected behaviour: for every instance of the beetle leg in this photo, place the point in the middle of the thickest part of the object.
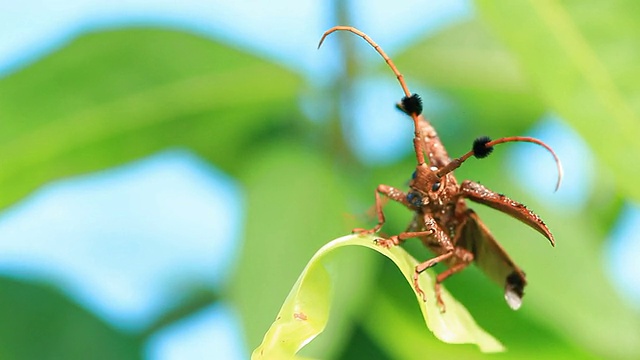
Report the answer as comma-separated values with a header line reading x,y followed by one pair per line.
x,y
400,238
391,193
442,240
466,257
424,266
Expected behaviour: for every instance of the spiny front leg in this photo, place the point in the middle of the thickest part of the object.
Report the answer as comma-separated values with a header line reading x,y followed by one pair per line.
x,y
391,193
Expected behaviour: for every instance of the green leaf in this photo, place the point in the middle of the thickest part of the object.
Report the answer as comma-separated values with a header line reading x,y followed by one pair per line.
x,y
581,57
305,312
115,96
39,322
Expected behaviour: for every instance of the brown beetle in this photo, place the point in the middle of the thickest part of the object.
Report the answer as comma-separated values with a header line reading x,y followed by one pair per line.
x,y
442,220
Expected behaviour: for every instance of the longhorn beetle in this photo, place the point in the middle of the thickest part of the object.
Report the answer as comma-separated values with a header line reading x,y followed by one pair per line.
x,y
442,220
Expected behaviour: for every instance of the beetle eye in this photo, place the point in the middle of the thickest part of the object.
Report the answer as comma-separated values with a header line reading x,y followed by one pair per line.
x,y
413,176
435,186
414,199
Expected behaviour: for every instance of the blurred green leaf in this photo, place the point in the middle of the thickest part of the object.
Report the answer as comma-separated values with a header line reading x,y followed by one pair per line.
x,y
114,96
194,300
581,58
363,346
305,312
466,62
38,322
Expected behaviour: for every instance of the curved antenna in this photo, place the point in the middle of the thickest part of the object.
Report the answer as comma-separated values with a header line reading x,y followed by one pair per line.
x,y
377,48
417,144
483,146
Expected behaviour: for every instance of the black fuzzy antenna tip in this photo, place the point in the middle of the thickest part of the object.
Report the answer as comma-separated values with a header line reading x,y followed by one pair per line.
x,y
480,148
412,104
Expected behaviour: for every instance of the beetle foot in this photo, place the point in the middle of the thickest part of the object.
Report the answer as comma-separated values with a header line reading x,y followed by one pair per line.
x,y
441,305
416,286
388,243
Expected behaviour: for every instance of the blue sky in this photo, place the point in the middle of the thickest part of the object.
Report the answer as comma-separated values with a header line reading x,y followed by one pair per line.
x,y
131,210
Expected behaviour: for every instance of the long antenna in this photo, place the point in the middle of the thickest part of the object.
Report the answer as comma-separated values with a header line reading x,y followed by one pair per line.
x,y
483,146
417,144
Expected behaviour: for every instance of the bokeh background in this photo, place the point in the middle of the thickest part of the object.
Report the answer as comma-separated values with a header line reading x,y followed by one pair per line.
x,y
168,168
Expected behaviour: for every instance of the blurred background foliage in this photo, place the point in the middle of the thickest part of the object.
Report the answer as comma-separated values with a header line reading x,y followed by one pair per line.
x,y
112,96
